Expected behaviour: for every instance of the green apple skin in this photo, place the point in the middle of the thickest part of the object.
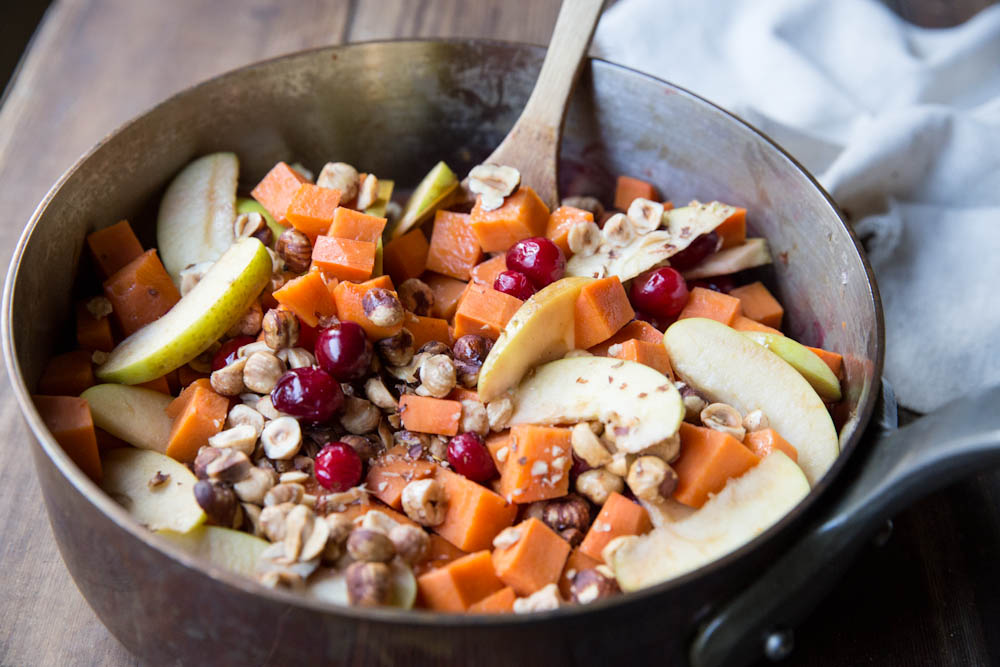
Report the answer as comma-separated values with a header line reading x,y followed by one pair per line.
x,y
753,253
135,414
382,198
195,220
229,549
247,205
802,359
170,506
541,330
196,321
745,508
727,367
638,405
430,194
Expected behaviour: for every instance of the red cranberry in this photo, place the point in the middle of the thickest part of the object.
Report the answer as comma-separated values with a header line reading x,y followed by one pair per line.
x,y
338,467
700,248
724,284
309,393
579,467
514,283
227,353
307,336
344,351
468,455
661,293
654,322
539,259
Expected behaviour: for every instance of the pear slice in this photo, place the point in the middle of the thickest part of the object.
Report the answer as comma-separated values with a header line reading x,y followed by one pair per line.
x,y
753,253
196,321
745,508
135,414
229,549
541,330
802,359
728,367
331,585
430,195
246,205
195,223
383,194
638,405
128,479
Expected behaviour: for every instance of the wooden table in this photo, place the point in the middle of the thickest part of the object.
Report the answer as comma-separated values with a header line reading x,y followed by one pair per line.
x,y
928,597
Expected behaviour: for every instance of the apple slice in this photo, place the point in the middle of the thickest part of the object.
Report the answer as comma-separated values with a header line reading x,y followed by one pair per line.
x,y
541,330
135,414
638,405
432,192
196,321
383,194
247,205
728,367
330,585
754,252
802,359
229,549
745,508
129,479
195,223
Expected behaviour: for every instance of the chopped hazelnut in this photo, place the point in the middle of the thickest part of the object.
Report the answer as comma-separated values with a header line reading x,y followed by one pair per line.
x,y
416,296
424,502
281,329
382,307
370,545
294,247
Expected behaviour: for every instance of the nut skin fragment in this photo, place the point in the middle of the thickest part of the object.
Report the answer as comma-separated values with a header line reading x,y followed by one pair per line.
x,y
340,176
382,307
590,585
294,247
281,438
645,215
652,479
368,584
416,296
262,371
598,485
411,542
424,502
437,376
396,350
228,381
588,446
371,546
281,329
725,418
218,501
364,446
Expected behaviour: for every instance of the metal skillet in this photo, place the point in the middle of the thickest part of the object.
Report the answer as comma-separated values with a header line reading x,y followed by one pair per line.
x,y
396,108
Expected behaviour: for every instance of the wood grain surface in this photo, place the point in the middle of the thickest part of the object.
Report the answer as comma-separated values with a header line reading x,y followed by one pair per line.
x,y
927,597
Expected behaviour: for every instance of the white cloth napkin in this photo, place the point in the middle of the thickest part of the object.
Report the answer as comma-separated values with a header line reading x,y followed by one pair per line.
x,y
901,124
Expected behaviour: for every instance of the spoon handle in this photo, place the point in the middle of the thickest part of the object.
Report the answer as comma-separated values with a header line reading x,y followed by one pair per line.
x,y
532,145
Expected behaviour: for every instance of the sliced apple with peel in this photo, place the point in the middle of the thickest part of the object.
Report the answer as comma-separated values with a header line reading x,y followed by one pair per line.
x,y
745,508
541,330
383,194
135,414
431,193
195,222
753,253
638,405
330,585
727,367
229,549
247,205
205,313
802,359
155,489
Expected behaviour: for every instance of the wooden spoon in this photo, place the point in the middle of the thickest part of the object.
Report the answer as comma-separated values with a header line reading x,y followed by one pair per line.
x,y
532,145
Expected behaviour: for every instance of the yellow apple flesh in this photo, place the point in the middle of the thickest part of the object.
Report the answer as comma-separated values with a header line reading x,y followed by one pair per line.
x,y
170,505
135,414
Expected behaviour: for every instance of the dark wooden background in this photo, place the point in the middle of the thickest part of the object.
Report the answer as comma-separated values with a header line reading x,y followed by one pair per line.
x,y
929,597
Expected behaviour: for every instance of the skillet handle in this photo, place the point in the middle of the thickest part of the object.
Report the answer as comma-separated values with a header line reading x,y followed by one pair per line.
x,y
901,466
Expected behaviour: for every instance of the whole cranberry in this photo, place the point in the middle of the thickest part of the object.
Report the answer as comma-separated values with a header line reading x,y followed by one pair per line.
x,y
468,455
307,335
654,322
661,293
514,283
309,393
227,353
344,351
338,467
699,249
539,259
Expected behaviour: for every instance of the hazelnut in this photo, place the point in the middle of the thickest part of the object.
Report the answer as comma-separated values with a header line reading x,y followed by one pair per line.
x,y
253,487
467,374
368,584
218,501
229,467
339,176
650,478
424,502
437,376
249,323
305,537
272,521
433,347
694,403
241,438
414,442
205,456
359,416
411,543
371,546
618,231
245,415
756,420
416,296
378,394
367,192
544,599
262,371
592,204
598,485
294,247
284,493
281,438
228,380
584,238
725,418
366,448
281,329
190,276
492,183
382,307
252,224
591,584
396,350
472,348
474,418
499,412
569,516
297,357
645,215
588,446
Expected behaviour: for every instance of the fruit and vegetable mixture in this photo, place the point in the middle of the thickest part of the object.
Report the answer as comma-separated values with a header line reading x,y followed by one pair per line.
x,y
470,403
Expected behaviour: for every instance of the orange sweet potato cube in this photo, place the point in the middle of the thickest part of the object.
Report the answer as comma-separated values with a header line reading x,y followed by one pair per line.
x,y
767,440
619,516
67,374
496,603
113,247
344,259
635,329
459,584
496,443
832,359
454,249
733,230
474,514
355,225
537,465
629,189
561,221
759,304
312,209
140,292
534,559
486,272
424,414
308,297
602,308
93,333
406,256
708,460
713,305
426,329
69,420
522,215
277,189
484,311
447,293
393,470
439,553
203,415
349,299
741,323
651,354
